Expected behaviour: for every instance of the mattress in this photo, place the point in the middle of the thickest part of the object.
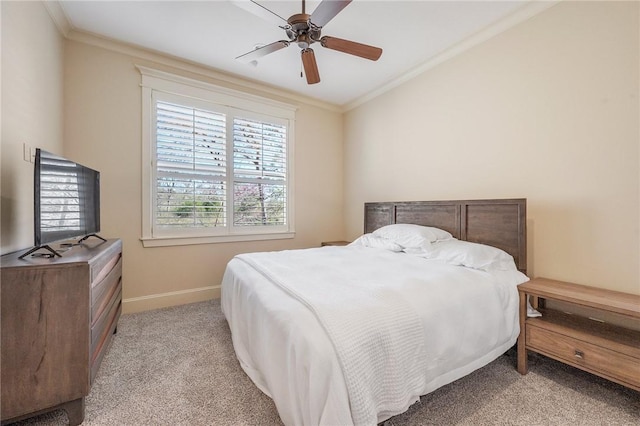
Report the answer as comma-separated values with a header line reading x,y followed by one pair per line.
x,y
355,335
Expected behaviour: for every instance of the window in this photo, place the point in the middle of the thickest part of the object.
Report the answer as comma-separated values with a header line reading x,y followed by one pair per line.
x,y
216,163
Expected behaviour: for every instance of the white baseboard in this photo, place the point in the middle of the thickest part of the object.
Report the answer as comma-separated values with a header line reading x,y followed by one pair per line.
x,y
173,298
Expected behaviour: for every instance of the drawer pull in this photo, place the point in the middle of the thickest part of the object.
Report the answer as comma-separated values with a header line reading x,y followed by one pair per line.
x,y
579,354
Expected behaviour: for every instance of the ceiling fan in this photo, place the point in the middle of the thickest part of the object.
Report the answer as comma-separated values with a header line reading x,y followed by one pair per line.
x,y
304,30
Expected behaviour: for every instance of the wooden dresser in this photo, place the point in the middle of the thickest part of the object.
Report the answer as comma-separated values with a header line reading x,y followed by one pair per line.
x,y
601,348
58,317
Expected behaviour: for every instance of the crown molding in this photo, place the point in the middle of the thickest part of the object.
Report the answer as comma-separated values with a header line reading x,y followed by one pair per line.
x,y
524,13
56,10
59,17
195,68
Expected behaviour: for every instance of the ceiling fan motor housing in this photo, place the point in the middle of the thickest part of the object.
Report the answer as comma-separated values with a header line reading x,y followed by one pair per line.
x,y
301,30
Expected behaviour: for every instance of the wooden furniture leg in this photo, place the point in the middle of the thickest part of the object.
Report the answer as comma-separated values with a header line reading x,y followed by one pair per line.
x,y
522,350
75,411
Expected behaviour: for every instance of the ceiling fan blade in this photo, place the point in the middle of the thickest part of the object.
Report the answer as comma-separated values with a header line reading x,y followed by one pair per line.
x,y
351,47
261,11
263,51
326,11
310,66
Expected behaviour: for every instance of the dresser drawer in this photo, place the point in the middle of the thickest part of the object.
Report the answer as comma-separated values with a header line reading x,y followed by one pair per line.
x,y
104,320
102,334
102,264
590,357
102,291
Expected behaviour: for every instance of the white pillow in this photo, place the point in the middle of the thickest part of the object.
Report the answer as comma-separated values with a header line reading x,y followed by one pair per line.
x,y
370,240
471,255
410,236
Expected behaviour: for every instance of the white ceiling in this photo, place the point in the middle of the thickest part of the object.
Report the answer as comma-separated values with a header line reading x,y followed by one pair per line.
x,y
214,33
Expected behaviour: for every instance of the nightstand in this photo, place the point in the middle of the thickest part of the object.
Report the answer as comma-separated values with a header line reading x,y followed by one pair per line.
x,y
334,243
601,348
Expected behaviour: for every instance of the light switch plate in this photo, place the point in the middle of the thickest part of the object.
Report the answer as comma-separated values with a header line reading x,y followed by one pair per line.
x,y
26,152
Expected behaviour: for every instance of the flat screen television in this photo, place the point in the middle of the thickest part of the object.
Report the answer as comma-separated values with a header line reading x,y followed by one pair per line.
x,y
66,201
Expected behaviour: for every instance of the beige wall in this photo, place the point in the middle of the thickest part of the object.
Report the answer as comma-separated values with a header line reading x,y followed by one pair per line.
x,y
103,130
84,102
32,96
547,110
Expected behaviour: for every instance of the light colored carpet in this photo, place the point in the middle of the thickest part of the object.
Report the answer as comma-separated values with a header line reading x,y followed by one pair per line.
x,y
176,366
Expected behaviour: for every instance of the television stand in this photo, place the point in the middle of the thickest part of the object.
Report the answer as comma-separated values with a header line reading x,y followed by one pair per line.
x,y
91,235
57,318
35,249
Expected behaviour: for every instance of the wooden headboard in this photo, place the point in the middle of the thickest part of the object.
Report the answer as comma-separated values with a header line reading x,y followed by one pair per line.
x,y
498,223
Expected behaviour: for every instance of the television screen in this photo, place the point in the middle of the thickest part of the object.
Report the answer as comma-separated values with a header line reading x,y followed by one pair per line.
x,y
67,199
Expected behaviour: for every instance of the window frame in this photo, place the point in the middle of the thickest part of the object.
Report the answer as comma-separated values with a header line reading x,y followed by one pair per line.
x,y
160,85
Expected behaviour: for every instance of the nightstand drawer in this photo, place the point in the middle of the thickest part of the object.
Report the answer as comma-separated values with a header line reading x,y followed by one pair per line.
x,y
584,355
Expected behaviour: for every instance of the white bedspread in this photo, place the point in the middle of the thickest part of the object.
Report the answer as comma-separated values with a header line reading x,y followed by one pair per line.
x,y
354,335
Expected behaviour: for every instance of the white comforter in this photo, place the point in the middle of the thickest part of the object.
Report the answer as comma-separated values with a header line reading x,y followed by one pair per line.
x,y
354,335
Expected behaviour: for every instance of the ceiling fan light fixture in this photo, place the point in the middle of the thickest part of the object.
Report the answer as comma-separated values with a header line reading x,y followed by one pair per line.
x,y
304,41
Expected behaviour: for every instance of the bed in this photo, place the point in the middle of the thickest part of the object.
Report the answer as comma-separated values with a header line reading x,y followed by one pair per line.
x,y
356,334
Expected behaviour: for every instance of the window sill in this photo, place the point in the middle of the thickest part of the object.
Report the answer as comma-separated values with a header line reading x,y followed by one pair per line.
x,y
186,241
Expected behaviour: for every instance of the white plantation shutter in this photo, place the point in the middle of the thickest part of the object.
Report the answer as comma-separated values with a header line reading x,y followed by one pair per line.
x,y
259,173
190,167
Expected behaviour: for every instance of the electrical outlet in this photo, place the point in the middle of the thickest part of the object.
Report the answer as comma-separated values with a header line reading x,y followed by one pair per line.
x,y
32,154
